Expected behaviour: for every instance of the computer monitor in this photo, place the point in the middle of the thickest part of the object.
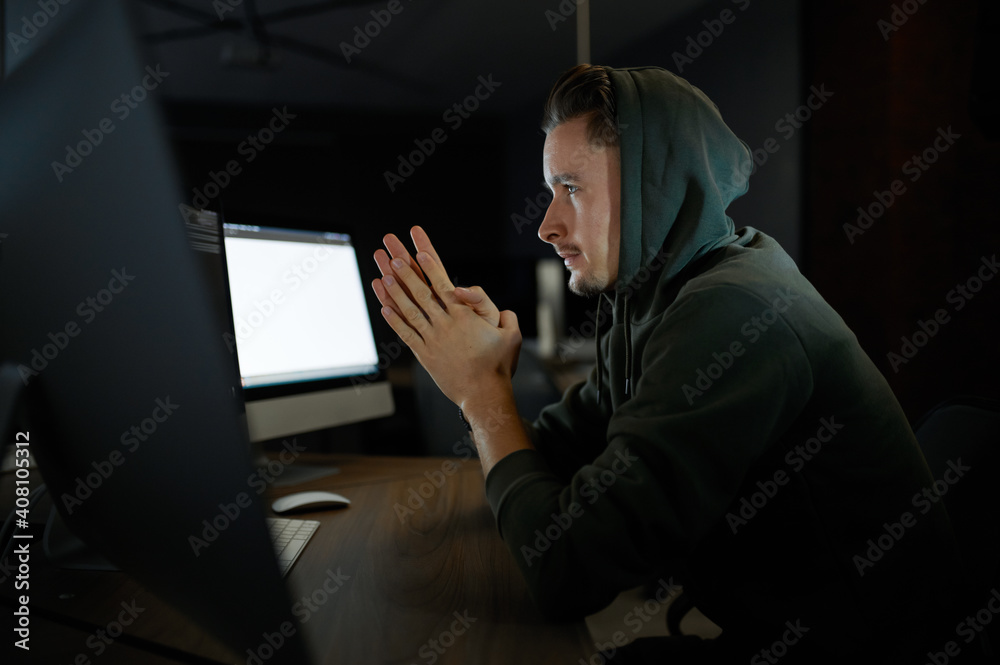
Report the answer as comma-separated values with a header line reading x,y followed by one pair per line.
x,y
111,346
301,329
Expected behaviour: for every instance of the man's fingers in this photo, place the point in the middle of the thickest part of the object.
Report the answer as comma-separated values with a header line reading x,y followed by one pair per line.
x,y
405,332
415,299
409,312
382,261
437,278
476,298
384,297
508,323
398,251
423,244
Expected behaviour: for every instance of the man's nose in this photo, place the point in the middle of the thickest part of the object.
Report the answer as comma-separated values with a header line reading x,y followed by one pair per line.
x,y
551,229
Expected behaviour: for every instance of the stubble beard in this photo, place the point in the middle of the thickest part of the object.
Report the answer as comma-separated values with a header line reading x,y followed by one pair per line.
x,y
587,286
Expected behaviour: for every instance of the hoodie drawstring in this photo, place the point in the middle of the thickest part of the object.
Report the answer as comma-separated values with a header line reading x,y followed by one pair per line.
x,y
600,360
628,349
628,354
600,369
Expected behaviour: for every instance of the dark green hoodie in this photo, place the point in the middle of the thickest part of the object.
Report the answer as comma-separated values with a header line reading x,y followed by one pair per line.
x,y
734,436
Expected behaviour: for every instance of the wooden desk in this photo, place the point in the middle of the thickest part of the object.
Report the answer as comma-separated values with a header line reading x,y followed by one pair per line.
x,y
405,583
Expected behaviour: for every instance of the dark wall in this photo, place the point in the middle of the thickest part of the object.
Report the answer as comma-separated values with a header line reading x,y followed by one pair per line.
x,y
897,90
327,169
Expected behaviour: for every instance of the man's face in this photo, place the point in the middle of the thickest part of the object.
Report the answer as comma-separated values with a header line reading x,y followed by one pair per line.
x,y
582,222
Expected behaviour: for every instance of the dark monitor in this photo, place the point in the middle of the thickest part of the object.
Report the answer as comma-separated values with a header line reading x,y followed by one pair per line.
x,y
110,342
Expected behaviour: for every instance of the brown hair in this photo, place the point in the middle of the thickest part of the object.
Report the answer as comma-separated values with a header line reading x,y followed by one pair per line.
x,y
584,91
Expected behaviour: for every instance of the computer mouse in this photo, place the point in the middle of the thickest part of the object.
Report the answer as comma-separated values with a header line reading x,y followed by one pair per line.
x,y
303,501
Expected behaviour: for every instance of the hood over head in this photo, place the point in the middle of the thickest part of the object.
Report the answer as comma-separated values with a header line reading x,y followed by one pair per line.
x,y
681,167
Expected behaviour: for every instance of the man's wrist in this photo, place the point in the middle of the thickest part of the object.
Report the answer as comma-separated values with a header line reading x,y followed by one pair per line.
x,y
490,408
488,396
495,424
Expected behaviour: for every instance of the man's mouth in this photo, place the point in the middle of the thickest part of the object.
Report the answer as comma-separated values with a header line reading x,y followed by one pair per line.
x,y
569,258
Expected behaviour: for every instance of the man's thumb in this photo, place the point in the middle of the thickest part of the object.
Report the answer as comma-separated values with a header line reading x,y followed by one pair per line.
x,y
469,296
508,319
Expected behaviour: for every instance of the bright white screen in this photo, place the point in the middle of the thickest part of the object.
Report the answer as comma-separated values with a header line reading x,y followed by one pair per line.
x,y
299,310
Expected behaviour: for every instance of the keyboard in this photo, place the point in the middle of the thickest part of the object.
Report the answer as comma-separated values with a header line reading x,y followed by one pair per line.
x,y
290,537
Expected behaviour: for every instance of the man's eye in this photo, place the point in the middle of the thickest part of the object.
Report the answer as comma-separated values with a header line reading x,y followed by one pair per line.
x,y
571,188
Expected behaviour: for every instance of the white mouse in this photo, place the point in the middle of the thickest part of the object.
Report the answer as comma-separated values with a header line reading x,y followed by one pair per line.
x,y
303,501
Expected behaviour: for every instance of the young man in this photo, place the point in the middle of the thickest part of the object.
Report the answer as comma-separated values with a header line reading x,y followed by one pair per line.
x,y
733,435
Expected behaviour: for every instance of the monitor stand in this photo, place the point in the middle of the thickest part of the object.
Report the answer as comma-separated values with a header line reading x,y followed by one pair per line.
x,y
279,473
298,473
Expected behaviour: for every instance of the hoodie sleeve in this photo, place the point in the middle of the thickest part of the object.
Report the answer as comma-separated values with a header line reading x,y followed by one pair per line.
x,y
671,459
571,432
